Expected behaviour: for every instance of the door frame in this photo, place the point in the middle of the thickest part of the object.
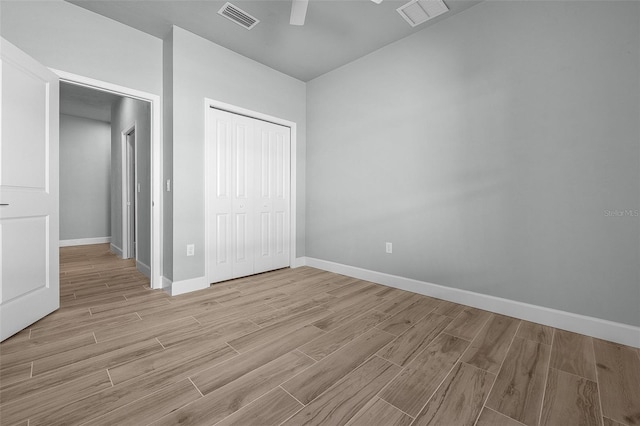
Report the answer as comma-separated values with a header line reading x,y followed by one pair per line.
x,y
211,103
126,243
156,158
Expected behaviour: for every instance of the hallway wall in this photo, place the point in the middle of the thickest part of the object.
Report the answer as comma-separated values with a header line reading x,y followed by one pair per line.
x,y
124,113
85,161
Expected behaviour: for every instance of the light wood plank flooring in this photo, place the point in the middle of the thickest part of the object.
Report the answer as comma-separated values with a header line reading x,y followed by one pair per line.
x,y
298,346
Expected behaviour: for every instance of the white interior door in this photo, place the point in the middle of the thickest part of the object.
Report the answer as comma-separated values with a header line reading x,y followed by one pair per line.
x,y
29,234
249,184
131,179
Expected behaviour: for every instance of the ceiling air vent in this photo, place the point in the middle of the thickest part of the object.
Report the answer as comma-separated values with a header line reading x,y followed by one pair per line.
x,y
237,15
418,11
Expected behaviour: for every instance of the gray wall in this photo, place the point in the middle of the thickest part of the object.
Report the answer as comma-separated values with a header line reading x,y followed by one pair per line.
x,y
488,148
167,156
203,69
124,113
66,37
85,161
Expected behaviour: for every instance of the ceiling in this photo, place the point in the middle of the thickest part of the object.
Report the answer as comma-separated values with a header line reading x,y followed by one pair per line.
x,y
84,102
336,32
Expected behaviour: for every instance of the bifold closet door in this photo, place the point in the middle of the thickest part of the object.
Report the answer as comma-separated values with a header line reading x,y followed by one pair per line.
x,y
231,198
272,184
248,163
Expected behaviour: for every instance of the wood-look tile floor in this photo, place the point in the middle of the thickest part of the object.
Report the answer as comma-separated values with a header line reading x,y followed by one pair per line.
x,y
298,346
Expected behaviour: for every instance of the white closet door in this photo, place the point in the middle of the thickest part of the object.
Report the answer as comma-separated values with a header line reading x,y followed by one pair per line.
x,y
272,203
243,196
220,200
248,162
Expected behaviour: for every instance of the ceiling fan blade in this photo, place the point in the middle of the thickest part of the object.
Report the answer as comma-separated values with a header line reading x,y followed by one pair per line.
x,y
298,11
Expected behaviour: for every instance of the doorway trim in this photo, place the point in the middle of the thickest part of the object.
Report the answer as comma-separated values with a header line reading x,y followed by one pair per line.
x,y
124,149
211,103
156,158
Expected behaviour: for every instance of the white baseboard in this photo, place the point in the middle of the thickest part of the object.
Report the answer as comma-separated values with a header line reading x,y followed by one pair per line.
x,y
84,241
299,261
179,287
590,326
166,283
144,269
116,250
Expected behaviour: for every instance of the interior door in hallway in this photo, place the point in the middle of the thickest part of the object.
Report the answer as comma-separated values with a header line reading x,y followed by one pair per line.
x,y
131,196
29,214
248,164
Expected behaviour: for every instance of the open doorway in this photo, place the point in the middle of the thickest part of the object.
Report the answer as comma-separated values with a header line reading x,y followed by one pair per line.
x,y
154,171
106,185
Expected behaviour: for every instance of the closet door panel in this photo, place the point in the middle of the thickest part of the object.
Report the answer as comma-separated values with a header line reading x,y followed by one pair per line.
x,y
263,213
220,187
243,199
273,179
281,197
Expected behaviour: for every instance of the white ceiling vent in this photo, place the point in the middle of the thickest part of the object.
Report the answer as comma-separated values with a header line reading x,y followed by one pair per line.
x,y
237,15
418,11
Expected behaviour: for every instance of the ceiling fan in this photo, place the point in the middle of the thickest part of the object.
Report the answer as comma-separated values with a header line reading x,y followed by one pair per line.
x,y
299,11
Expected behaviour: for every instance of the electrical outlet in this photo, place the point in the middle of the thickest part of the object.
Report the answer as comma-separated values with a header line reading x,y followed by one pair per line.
x,y
191,249
389,248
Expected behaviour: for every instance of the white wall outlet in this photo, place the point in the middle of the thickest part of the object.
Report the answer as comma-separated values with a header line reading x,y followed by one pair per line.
x,y
389,248
191,249
168,185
